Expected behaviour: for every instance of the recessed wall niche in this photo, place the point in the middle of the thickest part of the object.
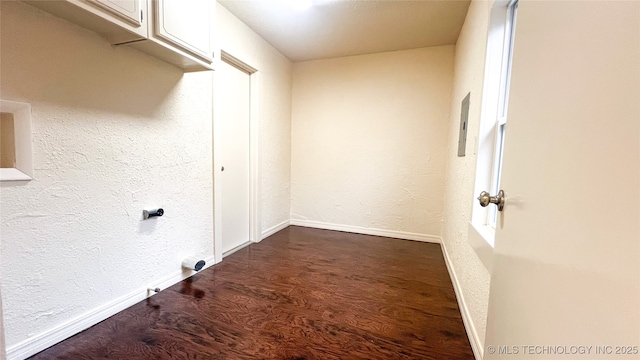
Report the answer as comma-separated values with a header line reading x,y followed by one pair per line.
x,y
15,141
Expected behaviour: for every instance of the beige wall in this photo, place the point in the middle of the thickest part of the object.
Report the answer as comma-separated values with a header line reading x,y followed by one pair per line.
x,y
274,104
368,140
115,131
471,274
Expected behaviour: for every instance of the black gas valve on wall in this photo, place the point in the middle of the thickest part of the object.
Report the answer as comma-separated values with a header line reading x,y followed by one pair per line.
x,y
152,213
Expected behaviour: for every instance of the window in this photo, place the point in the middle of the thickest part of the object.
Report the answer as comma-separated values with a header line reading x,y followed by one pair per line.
x,y
500,122
493,123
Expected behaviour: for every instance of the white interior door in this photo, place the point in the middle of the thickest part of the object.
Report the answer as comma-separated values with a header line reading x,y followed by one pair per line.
x,y
566,274
233,106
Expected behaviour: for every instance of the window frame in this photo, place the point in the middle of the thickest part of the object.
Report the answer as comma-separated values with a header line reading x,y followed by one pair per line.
x,y
503,106
490,143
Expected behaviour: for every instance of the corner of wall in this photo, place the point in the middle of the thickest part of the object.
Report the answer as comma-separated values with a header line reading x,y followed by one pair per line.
x,y
372,124
274,114
469,276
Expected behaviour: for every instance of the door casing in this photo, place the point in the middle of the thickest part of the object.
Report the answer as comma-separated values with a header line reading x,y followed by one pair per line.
x,y
254,210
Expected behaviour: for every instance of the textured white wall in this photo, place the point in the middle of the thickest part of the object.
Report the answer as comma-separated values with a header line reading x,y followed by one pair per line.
x,y
274,103
115,131
369,135
469,62
3,350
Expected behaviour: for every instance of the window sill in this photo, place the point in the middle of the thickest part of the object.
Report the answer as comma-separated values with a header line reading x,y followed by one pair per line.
x,y
481,239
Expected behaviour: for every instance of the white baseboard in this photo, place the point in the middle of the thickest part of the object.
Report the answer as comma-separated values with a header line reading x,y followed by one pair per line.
x,y
368,231
37,343
274,229
472,334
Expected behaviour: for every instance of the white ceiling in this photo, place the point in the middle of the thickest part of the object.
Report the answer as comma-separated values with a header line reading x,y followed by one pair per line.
x,y
334,28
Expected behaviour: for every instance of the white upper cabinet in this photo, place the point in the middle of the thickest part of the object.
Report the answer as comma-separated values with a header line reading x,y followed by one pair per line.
x,y
185,24
176,31
127,10
117,20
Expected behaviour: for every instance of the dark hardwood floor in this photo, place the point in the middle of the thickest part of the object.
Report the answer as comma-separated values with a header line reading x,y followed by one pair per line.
x,y
299,294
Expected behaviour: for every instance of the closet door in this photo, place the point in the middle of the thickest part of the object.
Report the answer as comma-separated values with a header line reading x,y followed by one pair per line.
x,y
233,124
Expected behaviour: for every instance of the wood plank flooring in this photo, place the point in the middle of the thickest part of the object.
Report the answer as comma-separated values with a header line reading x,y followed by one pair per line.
x,y
299,294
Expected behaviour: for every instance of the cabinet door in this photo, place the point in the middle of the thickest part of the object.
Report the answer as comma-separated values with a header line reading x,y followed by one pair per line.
x,y
127,10
117,20
185,25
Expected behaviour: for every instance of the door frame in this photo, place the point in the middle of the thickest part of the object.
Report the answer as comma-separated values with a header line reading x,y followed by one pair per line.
x,y
254,168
